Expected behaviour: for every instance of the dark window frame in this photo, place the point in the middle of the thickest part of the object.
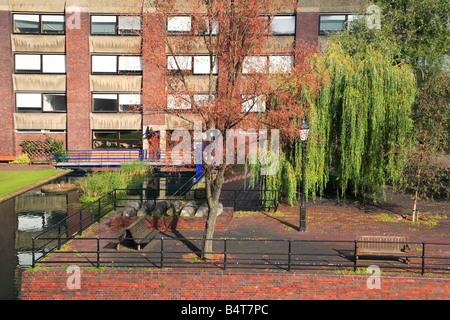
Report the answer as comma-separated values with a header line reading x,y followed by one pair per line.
x,y
117,140
175,33
321,33
283,15
41,63
41,109
116,33
118,71
117,102
40,32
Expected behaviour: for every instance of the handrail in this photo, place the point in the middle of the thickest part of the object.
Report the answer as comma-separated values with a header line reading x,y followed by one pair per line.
x,y
282,258
111,156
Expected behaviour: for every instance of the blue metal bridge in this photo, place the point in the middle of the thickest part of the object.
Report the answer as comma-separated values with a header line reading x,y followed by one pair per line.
x,y
100,159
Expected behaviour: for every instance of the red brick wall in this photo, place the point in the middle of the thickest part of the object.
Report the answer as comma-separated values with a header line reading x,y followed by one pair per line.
x,y
135,284
307,26
153,83
7,102
78,86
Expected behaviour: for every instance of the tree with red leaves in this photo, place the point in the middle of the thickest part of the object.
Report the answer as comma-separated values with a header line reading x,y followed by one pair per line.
x,y
243,84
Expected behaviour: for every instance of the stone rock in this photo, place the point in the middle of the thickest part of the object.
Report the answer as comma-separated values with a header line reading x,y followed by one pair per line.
x,y
219,209
175,207
189,209
131,209
135,204
202,210
160,209
146,208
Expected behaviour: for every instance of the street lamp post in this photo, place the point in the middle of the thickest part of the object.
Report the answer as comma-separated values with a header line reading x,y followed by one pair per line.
x,y
304,133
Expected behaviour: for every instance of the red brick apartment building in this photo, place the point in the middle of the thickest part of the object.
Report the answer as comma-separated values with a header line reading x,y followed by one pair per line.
x,y
73,70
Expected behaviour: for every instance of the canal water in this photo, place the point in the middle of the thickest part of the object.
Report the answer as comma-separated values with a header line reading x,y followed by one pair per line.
x,y
27,215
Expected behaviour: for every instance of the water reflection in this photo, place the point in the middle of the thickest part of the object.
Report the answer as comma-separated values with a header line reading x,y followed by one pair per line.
x,y
22,218
30,213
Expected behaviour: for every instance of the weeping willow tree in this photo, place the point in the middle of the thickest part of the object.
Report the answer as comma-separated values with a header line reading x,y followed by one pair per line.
x,y
359,125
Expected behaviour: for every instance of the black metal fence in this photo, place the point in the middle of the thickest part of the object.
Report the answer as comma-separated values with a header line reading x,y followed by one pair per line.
x,y
76,223
172,252
251,254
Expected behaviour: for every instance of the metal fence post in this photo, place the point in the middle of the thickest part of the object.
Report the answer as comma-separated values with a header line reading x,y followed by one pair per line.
x,y
356,256
98,252
423,258
59,236
32,253
114,197
162,252
289,254
224,254
81,224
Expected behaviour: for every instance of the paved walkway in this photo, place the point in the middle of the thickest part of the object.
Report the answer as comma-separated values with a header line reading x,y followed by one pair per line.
x,y
25,167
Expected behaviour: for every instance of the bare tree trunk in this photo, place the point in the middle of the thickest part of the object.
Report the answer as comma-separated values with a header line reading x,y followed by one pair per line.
x,y
208,236
415,215
213,191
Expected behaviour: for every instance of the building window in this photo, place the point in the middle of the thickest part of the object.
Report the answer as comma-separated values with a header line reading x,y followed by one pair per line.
x,y
199,64
179,24
129,25
130,102
334,23
116,25
40,63
52,24
179,63
202,65
185,101
254,64
54,102
275,63
283,25
181,101
117,139
280,63
253,103
41,102
39,23
116,102
102,64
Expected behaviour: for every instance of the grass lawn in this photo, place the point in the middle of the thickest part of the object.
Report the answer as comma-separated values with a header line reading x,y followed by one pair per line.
x,y
13,180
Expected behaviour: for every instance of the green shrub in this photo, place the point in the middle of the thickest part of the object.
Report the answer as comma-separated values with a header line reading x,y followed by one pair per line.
x,y
97,184
23,159
135,168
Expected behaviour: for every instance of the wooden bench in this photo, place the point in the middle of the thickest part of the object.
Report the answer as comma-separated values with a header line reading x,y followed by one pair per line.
x,y
138,232
383,247
7,158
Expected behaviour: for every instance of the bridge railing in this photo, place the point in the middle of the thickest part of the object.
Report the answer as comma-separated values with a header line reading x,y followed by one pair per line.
x,y
79,156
